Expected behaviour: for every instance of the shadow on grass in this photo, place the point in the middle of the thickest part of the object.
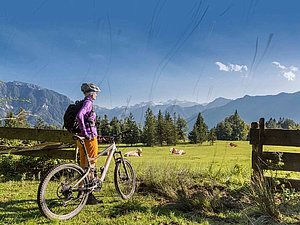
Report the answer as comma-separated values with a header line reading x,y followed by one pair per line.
x,y
19,210
169,210
127,207
291,209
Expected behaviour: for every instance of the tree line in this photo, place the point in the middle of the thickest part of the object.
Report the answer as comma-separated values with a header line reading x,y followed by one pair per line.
x,y
167,129
161,129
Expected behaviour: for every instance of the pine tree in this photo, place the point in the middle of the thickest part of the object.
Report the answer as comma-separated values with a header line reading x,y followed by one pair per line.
x,y
232,128
271,123
149,130
199,132
40,124
212,136
170,133
289,124
193,135
182,128
22,118
18,120
104,126
224,130
202,129
115,130
131,137
237,125
160,128
10,120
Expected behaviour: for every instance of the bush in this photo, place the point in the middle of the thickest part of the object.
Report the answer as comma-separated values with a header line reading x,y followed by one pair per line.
x,y
166,181
190,191
25,167
8,168
264,205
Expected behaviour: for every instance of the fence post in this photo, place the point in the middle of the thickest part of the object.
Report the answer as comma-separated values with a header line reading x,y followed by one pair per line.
x,y
254,126
260,145
257,149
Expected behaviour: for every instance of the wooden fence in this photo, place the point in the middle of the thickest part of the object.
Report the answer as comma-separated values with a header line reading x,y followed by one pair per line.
x,y
51,143
284,161
60,144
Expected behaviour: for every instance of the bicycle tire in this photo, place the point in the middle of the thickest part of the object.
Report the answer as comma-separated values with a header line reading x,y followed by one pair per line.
x,y
56,195
125,185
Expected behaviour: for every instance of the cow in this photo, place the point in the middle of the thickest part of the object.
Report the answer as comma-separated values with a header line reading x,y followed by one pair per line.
x,y
232,144
177,151
137,152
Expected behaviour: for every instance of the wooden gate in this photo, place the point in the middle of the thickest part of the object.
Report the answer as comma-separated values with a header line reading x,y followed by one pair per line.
x,y
52,143
284,161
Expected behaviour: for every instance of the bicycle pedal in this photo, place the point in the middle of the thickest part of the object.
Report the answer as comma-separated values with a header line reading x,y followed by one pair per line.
x,y
101,170
94,185
80,194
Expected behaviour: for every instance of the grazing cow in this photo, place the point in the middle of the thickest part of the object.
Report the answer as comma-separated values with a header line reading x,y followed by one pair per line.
x,y
137,152
177,151
232,144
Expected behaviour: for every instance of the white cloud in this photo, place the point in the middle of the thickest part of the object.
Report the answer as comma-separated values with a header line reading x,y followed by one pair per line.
x,y
289,75
222,66
231,67
278,65
238,68
294,68
287,72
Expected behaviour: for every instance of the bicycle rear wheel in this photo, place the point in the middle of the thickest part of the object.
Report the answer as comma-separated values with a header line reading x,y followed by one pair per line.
x,y
57,196
124,178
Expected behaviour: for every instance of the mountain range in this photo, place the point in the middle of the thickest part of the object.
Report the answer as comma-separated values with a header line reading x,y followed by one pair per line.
x,y
38,102
50,106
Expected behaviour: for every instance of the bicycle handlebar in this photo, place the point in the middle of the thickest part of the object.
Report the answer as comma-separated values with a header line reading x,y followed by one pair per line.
x,y
113,137
105,138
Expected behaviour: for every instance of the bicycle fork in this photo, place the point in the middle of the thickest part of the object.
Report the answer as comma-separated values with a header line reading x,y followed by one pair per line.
x,y
121,158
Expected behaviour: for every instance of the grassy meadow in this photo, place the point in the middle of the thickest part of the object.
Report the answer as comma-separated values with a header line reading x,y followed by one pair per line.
x,y
210,184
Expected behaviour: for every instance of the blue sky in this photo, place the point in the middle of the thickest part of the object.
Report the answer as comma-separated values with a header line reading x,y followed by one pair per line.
x,y
138,50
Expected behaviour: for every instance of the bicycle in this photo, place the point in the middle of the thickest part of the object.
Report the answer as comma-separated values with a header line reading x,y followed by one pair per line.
x,y
64,190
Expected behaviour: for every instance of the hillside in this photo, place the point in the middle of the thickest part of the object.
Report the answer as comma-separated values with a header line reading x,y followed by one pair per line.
x,y
251,108
38,102
50,106
185,110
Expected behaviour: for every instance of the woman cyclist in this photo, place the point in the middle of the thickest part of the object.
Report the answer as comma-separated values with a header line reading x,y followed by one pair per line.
x,y
86,118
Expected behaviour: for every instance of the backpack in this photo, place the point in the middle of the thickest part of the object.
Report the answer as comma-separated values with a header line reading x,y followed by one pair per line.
x,y
70,122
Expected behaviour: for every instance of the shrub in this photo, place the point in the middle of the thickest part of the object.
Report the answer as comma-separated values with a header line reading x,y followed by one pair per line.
x,y
8,168
24,167
188,190
166,181
262,196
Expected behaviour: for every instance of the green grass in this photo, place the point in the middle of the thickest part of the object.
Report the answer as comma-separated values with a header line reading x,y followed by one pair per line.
x,y
217,160
219,155
213,178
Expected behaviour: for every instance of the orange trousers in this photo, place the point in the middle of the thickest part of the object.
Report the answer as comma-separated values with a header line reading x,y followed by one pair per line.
x,y
92,149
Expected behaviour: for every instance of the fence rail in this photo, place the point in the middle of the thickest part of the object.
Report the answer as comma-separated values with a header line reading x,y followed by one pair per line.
x,y
54,143
284,161
44,135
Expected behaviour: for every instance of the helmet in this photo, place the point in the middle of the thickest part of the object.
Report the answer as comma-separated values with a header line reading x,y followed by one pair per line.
x,y
89,87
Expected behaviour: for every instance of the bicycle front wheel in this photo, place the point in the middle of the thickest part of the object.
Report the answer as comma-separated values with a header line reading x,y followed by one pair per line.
x,y
124,178
59,191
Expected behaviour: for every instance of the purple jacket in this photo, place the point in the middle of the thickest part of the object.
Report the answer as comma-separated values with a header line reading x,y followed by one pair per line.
x,y
86,118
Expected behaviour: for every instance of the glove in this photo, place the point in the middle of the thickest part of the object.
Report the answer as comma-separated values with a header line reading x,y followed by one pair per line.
x,y
102,139
87,137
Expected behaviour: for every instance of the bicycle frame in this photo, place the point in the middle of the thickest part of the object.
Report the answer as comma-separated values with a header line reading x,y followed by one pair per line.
x,y
110,150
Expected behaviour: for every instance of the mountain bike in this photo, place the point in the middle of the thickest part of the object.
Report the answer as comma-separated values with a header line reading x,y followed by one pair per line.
x,y
64,190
